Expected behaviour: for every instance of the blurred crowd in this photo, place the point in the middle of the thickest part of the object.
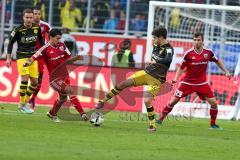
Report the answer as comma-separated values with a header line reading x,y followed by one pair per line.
x,y
106,15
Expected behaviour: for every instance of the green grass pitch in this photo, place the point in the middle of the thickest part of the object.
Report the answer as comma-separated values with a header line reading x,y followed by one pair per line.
x,y
35,137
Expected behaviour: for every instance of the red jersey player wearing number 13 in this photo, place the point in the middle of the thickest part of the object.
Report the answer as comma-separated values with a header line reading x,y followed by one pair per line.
x,y
194,65
56,56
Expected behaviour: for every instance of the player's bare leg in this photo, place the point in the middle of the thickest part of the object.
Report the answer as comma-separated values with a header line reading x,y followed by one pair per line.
x,y
213,112
148,99
115,91
168,108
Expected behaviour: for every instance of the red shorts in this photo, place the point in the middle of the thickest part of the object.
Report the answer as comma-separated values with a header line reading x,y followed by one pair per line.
x,y
59,84
202,90
40,64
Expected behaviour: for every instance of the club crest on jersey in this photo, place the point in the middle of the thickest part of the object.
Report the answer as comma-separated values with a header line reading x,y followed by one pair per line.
x,y
35,31
61,48
205,56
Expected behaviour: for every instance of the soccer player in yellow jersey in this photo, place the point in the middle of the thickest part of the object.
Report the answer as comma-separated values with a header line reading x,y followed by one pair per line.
x,y
26,36
154,75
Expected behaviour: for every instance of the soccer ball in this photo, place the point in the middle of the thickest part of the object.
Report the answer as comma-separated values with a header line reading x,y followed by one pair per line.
x,y
96,119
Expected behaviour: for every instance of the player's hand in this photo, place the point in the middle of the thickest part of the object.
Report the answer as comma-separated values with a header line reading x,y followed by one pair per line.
x,y
8,63
228,75
26,64
172,82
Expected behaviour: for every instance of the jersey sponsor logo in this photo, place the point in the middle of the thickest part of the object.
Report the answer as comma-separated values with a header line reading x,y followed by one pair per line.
x,y
199,63
28,39
55,58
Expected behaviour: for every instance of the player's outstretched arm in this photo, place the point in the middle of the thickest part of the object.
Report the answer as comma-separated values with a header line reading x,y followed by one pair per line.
x,y
33,58
73,59
222,67
8,60
179,72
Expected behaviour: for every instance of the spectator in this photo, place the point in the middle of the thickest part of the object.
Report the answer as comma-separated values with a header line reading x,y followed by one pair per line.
x,y
117,8
138,23
111,23
83,6
8,11
101,12
122,21
122,3
175,17
70,15
123,57
42,5
85,22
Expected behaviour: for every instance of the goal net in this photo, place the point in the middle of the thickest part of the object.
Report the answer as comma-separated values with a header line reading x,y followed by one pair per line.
x,y
221,28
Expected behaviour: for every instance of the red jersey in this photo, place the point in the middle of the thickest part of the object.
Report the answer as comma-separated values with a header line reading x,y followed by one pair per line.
x,y
45,28
54,57
196,66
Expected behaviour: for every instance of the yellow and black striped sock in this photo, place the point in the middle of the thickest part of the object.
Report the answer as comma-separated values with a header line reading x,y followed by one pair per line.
x,y
30,91
23,90
151,113
115,91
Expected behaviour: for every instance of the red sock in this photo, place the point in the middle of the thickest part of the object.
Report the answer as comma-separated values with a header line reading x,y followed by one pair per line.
x,y
74,100
56,106
166,111
34,95
213,115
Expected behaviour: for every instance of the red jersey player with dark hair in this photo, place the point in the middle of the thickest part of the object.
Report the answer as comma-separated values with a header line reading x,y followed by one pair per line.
x,y
45,28
194,64
56,56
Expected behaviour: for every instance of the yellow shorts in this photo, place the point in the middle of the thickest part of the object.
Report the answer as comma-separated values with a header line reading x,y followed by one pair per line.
x,y
143,78
31,70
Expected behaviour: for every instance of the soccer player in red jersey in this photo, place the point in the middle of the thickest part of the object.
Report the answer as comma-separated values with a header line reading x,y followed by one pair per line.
x,y
45,28
194,64
56,55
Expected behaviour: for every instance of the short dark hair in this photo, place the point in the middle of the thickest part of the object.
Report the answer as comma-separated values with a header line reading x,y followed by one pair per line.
x,y
27,11
160,32
54,32
37,8
197,34
126,44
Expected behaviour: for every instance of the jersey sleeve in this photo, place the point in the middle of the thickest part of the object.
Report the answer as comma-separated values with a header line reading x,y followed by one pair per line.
x,y
213,57
12,39
67,53
40,38
48,28
183,63
39,52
